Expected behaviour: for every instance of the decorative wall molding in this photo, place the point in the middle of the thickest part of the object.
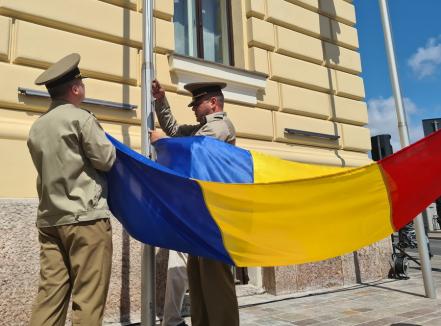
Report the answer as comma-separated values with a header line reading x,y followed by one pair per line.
x,y
242,85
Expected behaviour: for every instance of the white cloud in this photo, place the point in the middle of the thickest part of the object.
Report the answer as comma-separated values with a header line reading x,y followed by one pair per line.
x,y
425,61
383,119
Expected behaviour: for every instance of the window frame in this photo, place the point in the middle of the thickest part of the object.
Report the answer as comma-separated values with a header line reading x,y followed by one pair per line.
x,y
200,32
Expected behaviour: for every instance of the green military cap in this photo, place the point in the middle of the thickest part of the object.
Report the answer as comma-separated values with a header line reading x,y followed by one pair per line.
x,y
201,89
62,71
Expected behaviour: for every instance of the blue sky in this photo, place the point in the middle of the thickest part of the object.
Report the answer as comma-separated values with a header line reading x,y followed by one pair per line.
x,y
416,32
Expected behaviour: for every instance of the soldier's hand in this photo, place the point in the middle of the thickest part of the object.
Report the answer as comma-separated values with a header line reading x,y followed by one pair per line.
x,y
155,135
157,91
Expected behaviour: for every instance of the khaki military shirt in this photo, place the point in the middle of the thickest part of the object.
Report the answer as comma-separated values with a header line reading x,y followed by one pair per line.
x,y
217,125
70,151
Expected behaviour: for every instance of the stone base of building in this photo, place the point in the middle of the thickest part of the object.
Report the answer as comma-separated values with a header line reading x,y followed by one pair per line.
x,y
19,269
19,266
368,264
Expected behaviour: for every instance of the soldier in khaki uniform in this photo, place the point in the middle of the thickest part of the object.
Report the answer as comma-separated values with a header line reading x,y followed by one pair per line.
x,y
212,290
70,151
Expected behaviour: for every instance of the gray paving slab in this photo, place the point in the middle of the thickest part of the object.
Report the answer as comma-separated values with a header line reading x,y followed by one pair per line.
x,y
386,302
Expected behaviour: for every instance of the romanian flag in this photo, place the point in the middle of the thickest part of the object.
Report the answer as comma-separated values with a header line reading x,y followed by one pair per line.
x,y
212,199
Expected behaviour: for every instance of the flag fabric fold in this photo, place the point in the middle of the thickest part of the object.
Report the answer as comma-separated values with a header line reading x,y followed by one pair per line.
x,y
245,208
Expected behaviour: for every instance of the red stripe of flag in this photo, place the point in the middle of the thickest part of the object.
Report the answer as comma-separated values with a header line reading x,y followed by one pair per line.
x,y
413,178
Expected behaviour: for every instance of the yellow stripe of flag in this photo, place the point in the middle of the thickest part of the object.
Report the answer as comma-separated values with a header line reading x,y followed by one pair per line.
x,y
282,223
272,169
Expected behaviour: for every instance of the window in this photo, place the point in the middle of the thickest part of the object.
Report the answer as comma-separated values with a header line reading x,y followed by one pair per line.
x,y
202,29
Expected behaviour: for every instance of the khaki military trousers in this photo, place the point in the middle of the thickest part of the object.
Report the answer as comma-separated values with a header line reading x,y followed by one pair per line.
x,y
75,260
212,293
176,286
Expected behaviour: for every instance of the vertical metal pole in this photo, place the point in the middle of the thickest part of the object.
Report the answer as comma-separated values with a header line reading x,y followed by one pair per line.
x,y
404,138
148,316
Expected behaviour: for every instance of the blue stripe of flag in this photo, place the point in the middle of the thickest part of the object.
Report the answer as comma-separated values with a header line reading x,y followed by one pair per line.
x,y
160,207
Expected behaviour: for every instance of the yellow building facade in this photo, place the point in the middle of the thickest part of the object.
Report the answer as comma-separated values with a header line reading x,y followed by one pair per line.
x,y
294,91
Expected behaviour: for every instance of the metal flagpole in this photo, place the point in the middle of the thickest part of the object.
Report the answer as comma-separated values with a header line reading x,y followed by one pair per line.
x,y
148,316
404,138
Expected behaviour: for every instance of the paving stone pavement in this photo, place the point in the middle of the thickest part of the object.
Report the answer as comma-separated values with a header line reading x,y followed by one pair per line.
x,y
386,302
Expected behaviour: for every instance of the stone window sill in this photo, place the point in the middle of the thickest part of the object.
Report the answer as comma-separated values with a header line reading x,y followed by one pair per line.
x,y
242,85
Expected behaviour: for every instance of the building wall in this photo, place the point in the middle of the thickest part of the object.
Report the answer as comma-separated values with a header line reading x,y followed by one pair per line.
x,y
36,34
308,49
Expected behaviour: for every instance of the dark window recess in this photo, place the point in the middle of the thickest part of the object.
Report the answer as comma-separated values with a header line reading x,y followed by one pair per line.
x,y
125,106
298,132
203,29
